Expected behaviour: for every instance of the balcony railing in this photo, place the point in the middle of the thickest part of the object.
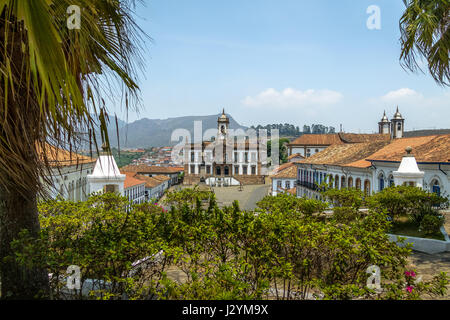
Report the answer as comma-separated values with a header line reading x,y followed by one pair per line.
x,y
309,185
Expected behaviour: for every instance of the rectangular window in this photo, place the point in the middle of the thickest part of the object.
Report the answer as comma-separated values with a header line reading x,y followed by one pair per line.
x,y
288,184
235,157
245,169
246,157
236,170
208,169
279,186
192,157
192,169
253,170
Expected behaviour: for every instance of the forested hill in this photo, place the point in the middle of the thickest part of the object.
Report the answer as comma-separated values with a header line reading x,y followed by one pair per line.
x,y
290,130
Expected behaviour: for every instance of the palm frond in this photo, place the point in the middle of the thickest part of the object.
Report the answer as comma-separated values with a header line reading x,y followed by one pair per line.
x,y
425,34
54,79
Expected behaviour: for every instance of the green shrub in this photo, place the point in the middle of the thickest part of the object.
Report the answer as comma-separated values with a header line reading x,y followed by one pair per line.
x,y
417,216
431,223
310,206
275,252
345,214
344,197
403,200
103,236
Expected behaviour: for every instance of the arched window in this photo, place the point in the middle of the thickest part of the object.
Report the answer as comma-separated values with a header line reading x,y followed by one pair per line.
x,y
343,182
350,182
358,184
436,187
391,180
367,187
336,182
380,182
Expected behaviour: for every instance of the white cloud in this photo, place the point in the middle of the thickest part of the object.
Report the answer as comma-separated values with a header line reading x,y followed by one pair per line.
x,y
293,98
401,95
419,110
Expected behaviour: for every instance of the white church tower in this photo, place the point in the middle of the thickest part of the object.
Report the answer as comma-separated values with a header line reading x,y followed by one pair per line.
x,y
398,125
384,126
222,126
408,173
106,176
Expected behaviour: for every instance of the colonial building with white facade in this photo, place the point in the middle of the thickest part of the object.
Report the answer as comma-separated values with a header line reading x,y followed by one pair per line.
x,y
372,166
69,173
134,189
284,178
228,160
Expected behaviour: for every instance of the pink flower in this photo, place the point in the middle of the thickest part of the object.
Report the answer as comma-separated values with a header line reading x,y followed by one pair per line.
x,y
410,274
409,289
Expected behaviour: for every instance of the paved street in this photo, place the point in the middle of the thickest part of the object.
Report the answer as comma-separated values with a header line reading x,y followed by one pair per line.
x,y
225,196
247,198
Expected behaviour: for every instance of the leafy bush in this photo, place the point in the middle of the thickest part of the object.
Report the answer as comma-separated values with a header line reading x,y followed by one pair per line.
x,y
403,200
431,223
284,202
279,251
103,236
351,197
345,214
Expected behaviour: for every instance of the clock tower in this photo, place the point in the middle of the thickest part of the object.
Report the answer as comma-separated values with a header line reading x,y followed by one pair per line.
x,y
222,126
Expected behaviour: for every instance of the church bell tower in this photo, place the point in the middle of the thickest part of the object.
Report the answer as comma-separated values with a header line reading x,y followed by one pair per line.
x,y
397,125
222,126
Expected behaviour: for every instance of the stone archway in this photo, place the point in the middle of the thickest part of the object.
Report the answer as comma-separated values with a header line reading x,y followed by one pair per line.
x,y
350,182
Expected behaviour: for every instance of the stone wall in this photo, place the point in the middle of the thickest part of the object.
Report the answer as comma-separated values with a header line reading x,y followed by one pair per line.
x,y
250,180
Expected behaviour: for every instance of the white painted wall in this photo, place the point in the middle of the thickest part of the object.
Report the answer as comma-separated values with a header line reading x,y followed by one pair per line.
x,y
70,182
284,182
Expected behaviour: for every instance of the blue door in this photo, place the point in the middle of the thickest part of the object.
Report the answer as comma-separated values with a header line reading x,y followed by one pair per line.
x,y
437,190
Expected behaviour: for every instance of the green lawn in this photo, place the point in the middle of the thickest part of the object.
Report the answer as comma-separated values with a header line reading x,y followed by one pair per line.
x,y
404,227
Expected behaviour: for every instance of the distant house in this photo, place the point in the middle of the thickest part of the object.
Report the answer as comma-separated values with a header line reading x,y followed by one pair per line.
x,y
284,178
295,157
134,189
150,171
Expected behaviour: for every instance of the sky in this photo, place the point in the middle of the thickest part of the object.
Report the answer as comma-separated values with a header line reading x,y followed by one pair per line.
x,y
282,61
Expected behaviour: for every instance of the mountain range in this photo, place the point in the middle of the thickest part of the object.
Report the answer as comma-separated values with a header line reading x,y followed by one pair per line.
x,y
144,133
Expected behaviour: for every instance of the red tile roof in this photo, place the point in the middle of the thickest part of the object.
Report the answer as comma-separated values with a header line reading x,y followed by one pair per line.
x,y
360,138
295,155
143,168
150,182
287,170
60,158
337,138
317,140
130,180
425,149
